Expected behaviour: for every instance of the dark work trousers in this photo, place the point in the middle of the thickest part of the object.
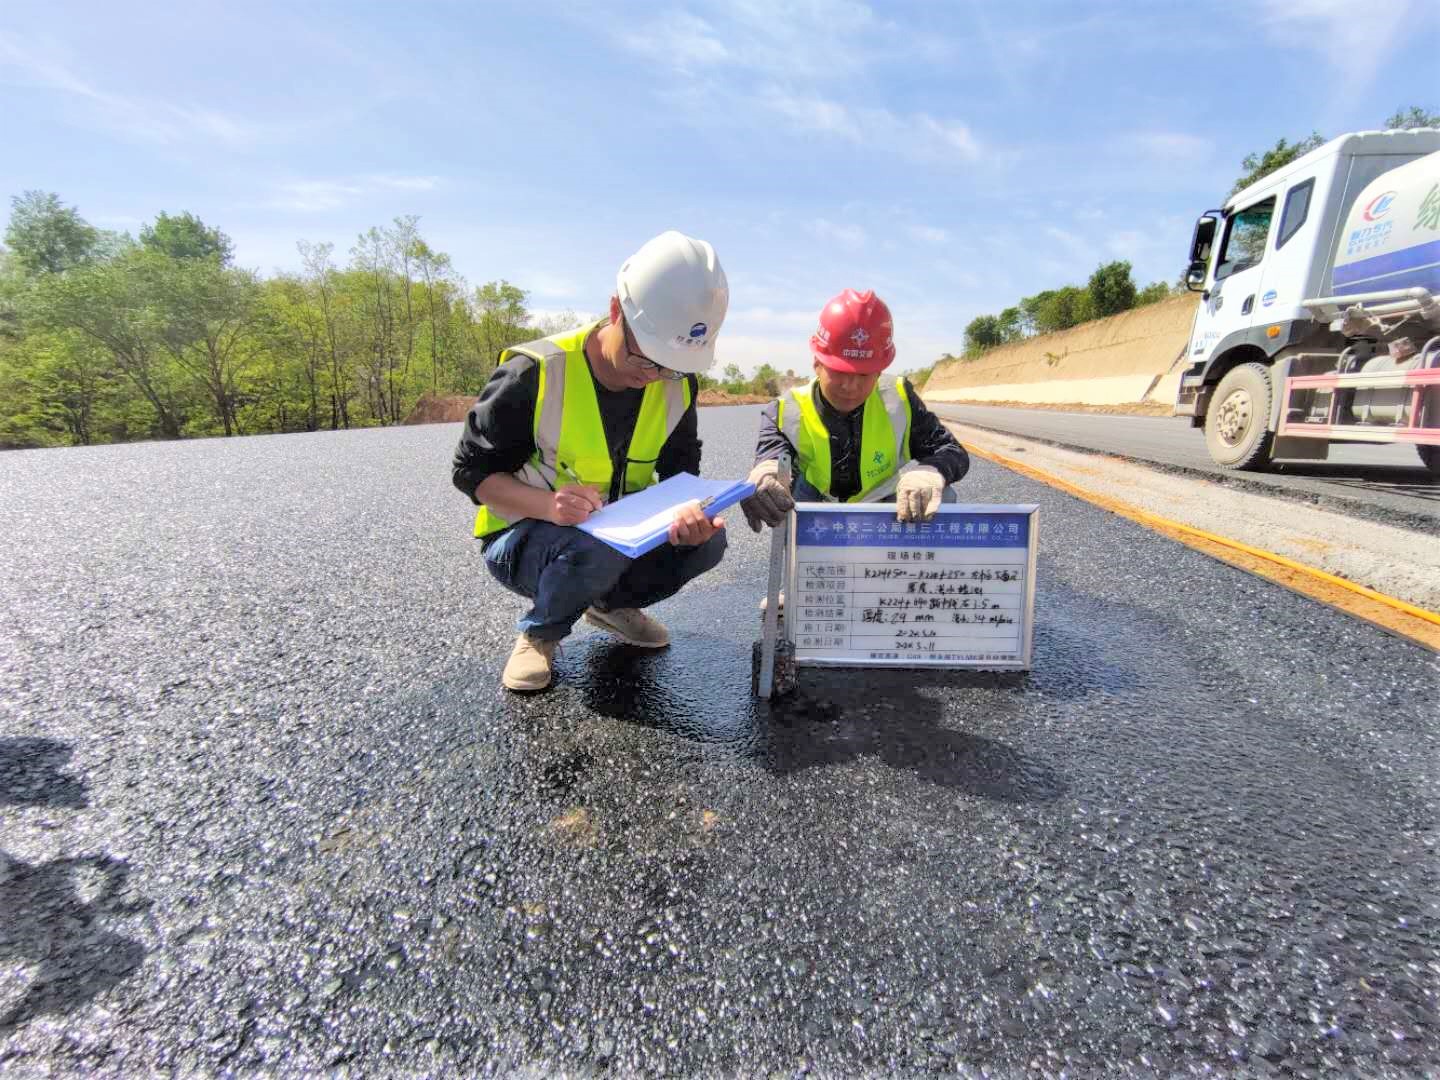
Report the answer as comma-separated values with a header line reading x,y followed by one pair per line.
x,y
564,571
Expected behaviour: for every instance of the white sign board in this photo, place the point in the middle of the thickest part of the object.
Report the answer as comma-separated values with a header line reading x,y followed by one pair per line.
x,y
955,592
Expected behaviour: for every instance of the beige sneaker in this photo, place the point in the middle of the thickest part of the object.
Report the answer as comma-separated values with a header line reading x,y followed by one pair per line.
x,y
765,601
531,664
631,626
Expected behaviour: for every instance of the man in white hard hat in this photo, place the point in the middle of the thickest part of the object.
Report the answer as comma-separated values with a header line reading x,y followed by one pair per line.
x,y
573,421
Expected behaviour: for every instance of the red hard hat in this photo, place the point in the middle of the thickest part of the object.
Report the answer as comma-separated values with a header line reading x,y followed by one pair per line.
x,y
855,334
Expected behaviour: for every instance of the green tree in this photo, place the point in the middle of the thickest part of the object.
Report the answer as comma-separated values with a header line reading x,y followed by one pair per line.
x,y
766,381
1152,293
983,332
330,304
185,236
204,311
501,319
47,237
114,305
1011,322
1278,156
1111,289
1057,309
1411,118
1030,307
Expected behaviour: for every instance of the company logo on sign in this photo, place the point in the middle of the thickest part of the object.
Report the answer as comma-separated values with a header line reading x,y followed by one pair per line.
x,y
1379,206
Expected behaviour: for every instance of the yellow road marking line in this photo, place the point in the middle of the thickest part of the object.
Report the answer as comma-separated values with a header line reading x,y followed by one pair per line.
x,y
1388,612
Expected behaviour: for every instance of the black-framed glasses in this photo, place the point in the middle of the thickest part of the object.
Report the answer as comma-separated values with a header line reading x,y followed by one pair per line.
x,y
641,362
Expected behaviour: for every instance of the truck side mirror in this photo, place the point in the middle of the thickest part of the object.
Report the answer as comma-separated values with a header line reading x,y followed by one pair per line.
x,y
1204,236
1201,243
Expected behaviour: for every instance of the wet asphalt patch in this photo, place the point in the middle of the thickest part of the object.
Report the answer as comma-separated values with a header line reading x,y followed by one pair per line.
x,y
264,806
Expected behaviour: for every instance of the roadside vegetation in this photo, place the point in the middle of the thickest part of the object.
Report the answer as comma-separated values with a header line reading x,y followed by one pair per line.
x,y
766,383
1110,290
105,337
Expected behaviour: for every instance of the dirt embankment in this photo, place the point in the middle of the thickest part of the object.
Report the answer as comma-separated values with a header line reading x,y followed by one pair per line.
x,y
439,409
1130,361
720,397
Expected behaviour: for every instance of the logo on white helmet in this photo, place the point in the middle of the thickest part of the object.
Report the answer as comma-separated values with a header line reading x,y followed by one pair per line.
x,y
696,339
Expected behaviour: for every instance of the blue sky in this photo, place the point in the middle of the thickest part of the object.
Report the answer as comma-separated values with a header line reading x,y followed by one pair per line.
x,y
952,156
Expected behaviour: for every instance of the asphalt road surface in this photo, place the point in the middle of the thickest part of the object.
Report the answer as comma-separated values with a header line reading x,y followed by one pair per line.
x,y
263,806
1382,482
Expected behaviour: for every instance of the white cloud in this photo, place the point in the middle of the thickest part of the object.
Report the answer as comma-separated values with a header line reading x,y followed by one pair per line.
x,y
786,319
405,183
784,352
308,196
918,135
1128,243
782,38
952,136
1167,147
132,118
548,285
848,236
813,114
1357,42
313,196
929,234
679,40
1076,244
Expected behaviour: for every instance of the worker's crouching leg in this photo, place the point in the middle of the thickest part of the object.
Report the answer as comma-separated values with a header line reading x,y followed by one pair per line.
x,y
660,574
561,569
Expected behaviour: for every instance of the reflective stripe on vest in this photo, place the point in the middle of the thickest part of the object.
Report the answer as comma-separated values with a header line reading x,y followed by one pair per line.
x,y
884,439
569,435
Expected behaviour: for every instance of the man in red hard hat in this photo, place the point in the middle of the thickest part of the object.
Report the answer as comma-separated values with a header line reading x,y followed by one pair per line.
x,y
850,430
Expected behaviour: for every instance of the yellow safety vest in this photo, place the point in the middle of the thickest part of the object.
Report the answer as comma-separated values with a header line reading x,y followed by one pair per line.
x,y
884,438
570,444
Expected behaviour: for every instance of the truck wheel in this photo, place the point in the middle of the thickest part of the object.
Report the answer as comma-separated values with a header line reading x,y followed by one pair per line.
x,y
1430,455
1237,424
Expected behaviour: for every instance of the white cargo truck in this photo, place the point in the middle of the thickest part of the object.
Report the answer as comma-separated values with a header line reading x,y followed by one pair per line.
x,y
1321,315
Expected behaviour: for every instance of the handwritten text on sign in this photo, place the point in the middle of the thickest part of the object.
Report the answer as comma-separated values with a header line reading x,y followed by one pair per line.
x,y
954,592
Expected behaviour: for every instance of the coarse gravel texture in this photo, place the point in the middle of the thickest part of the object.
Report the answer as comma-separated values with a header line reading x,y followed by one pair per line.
x,y
263,806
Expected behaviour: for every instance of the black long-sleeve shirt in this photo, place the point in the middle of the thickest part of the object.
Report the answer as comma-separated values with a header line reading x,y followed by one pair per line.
x,y
499,435
930,442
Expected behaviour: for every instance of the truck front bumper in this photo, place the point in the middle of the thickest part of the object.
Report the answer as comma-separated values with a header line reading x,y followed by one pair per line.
x,y
1193,397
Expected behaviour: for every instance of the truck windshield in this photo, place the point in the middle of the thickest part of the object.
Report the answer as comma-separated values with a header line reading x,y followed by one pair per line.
x,y
1245,238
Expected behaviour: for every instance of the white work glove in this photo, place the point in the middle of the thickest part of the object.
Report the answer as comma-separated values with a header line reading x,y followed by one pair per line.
x,y
771,501
918,494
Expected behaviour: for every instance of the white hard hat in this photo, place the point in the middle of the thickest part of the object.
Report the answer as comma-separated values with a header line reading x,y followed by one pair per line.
x,y
674,296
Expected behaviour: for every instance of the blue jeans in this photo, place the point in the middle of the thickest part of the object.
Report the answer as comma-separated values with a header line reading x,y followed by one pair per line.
x,y
564,571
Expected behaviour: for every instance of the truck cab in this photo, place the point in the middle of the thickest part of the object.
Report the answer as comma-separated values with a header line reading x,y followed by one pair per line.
x,y
1259,264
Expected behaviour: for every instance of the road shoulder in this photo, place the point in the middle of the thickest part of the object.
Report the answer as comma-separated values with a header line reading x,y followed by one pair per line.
x,y
1396,562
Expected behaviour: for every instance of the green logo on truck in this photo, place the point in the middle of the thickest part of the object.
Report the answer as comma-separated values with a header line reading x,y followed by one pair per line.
x,y
1430,210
